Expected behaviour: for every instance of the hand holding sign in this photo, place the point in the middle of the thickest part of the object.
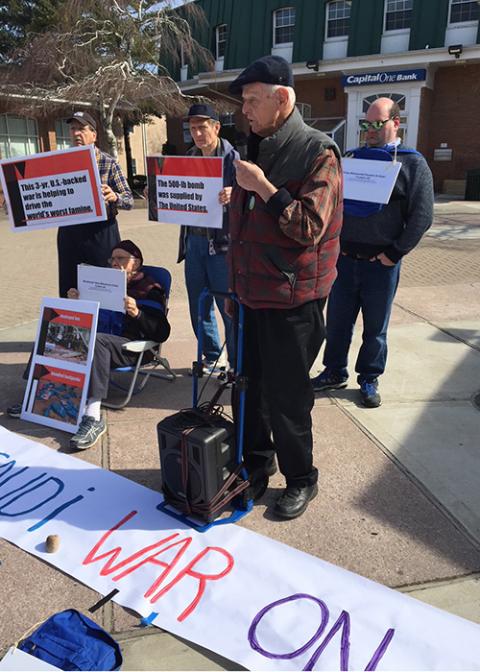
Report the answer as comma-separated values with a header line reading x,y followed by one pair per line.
x,y
225,195
109,196
131,307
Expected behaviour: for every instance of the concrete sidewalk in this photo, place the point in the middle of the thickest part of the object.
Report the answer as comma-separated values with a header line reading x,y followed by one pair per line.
x,y
399,499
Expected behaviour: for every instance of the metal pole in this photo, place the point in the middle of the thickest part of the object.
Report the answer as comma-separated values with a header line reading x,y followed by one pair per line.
x,y
144,144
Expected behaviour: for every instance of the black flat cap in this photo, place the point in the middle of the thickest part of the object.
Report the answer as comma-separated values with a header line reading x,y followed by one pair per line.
x,y
203,111
83,118
268,69
130,247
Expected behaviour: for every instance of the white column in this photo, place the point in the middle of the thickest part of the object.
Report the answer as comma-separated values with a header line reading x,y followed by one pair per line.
x,y
413,118
352,117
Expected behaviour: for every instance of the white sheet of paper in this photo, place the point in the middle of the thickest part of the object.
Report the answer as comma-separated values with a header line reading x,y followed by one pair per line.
x,y
15,659
108,286
367,180
253,600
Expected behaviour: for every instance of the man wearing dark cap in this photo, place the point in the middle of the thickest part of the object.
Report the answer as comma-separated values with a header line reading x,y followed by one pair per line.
x,y
204,249
91,243
285,220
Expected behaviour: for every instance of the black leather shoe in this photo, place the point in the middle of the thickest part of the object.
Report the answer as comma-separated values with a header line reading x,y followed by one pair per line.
x,y
294,500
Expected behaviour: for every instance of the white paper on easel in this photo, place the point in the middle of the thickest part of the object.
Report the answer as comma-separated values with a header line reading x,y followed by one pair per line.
x,y
367,180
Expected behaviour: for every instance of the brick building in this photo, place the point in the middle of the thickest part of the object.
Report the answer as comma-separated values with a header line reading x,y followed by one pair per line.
x,y
423,53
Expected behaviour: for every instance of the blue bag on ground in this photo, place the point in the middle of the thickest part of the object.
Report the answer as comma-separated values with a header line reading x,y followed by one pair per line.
x,y
71,641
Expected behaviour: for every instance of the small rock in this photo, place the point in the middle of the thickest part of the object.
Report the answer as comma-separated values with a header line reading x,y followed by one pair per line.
x,y
53,543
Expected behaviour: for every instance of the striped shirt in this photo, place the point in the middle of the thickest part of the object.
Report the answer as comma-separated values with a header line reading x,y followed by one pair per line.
x,y
111,174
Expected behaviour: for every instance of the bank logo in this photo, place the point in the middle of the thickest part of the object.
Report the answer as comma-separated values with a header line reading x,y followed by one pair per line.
x,y
385,77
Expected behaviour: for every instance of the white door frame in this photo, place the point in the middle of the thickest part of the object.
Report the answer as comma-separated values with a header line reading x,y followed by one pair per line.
x,y
412,92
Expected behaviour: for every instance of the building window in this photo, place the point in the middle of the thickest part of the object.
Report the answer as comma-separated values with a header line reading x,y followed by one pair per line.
x,y
220,40
283,25
228,119
398,98
187,136
462,11
398,14
305,110
338,18
330,93
18,136
62,133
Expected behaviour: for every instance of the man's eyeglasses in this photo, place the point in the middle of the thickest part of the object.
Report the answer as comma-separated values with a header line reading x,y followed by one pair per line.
x,y
120,260
375,125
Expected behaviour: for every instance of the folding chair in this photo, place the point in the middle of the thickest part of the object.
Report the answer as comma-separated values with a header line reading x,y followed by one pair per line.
x,y
145,371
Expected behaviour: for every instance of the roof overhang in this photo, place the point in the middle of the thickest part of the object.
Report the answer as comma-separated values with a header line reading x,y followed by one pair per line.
x,y
344,66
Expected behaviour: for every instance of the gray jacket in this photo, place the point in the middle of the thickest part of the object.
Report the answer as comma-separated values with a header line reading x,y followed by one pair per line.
x,y
400,224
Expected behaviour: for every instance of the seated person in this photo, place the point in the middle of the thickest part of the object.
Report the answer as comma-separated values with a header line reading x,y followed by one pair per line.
x,y
139,323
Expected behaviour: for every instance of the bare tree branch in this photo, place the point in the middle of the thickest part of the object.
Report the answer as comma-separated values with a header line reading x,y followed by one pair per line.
x,y
112,54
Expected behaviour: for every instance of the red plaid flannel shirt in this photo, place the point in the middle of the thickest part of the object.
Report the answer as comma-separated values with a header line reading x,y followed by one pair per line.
x,y
287,259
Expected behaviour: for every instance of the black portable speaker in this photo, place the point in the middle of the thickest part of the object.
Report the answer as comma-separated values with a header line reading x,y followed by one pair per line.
x,y
210,452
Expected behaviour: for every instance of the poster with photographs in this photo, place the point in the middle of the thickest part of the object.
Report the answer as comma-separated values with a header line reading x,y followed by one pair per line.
x,y
64,335
60,369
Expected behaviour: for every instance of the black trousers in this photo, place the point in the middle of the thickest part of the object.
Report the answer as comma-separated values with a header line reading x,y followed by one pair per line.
x,y
83,244
107,355
280,347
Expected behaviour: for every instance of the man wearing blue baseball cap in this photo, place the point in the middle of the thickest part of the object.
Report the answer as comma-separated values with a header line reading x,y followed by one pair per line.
x,y
92,243
204,249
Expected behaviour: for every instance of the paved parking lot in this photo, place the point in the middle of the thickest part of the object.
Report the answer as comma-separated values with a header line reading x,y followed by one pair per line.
x,y
399,500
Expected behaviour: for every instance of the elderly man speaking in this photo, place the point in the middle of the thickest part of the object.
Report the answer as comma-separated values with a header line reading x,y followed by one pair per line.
x,y
285,220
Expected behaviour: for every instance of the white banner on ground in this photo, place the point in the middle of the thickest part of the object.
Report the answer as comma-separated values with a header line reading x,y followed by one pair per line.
x,y
185,189
60,365
251,599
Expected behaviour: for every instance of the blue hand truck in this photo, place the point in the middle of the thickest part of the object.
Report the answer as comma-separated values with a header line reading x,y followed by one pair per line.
x,y
201,449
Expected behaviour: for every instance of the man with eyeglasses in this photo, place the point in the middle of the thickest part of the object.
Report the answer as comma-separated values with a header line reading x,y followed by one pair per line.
x,y
92,243
373,241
